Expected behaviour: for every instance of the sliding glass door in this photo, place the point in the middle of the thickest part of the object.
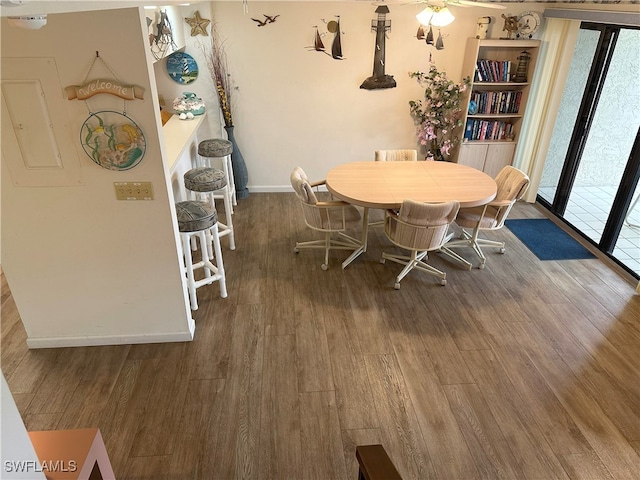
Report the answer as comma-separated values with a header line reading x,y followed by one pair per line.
x,y
593,164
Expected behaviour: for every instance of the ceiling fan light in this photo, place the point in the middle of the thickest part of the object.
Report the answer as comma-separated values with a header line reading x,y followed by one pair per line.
x,y
424,17
29,22
442,17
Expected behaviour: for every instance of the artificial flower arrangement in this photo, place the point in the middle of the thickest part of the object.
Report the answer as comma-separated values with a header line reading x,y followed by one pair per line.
x,y
439,116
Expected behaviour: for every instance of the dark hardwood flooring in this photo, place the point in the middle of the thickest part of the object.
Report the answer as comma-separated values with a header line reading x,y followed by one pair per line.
x,y
523,370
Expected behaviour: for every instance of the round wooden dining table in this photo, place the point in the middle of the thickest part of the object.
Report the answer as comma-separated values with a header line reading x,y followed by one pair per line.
x,y
386,185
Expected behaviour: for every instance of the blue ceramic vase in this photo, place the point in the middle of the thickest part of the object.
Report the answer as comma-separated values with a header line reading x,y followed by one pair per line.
x,y
240,174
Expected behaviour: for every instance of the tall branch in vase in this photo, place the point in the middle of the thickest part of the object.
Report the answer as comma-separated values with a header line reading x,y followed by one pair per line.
x,y
216,59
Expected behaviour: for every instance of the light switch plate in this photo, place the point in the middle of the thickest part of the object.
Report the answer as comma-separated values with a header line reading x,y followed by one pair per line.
x,y
133,190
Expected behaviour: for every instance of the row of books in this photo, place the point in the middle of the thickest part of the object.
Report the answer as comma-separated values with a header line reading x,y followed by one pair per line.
x,y
492,71
497,102
487,130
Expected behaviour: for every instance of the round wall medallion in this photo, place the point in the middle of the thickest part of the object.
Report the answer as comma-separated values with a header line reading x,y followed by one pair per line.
x,y
528,24
112,140
182,68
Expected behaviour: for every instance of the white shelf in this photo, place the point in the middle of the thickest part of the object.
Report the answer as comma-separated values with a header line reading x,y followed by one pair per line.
x,y
178,135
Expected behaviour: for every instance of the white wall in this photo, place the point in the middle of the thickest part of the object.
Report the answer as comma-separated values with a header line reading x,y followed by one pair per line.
x,y
83,267
300,107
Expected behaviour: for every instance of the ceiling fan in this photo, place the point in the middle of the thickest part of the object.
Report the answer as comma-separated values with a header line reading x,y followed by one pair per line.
x,y
441,3
457,3
437,14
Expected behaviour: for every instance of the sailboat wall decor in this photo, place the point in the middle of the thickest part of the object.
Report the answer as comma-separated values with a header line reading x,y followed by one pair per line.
x,y
333,26
439,41
318,45
336,47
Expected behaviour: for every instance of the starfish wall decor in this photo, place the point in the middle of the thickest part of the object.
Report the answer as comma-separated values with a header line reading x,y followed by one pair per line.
x,y
198,24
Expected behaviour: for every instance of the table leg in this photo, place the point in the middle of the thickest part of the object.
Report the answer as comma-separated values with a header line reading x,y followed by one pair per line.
x,y
365,228
363,242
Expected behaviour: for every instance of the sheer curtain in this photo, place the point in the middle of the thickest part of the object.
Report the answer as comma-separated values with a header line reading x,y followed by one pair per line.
x,y
558,41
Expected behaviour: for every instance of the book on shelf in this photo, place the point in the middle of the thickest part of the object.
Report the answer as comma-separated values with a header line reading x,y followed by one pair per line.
x,y
517,101
496,102
468,130
487,130
495,71
476,74
504,102
492,70
483,130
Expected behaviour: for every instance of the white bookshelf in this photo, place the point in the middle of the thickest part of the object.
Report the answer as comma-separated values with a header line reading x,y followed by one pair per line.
x,y
495,129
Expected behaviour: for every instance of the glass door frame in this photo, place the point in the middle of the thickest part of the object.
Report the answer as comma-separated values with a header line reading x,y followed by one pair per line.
x,y
584,119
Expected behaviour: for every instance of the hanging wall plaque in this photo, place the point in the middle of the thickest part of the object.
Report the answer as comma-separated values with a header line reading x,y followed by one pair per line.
x,y
112,140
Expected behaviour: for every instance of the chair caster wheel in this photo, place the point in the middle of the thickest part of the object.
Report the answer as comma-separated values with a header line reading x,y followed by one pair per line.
x,y
481,266
383,260
324,267
296,250
443,282
397,286
502,250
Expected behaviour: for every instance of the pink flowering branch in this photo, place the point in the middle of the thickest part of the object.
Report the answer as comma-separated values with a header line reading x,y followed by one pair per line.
x,y
438,116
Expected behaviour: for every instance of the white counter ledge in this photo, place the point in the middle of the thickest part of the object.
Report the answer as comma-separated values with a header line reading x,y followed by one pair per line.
x,y
178,135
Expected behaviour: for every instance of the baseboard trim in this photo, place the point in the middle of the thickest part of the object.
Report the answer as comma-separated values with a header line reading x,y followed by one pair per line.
x,y
94,341
277,189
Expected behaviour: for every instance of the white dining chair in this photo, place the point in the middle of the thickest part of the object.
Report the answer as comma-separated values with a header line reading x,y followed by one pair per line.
x,y
512,185
420,228
332,217
396,155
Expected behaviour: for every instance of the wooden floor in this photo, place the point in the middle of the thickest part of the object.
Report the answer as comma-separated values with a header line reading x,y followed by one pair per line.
x,y
523,370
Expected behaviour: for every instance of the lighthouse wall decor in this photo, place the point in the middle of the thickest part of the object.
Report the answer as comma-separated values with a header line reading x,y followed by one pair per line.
x,y
379,79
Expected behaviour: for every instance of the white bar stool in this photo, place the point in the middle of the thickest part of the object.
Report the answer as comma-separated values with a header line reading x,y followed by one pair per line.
x,y
218,148
199,220
204,183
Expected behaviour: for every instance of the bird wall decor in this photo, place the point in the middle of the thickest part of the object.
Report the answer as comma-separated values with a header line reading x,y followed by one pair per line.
x,y
267,20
